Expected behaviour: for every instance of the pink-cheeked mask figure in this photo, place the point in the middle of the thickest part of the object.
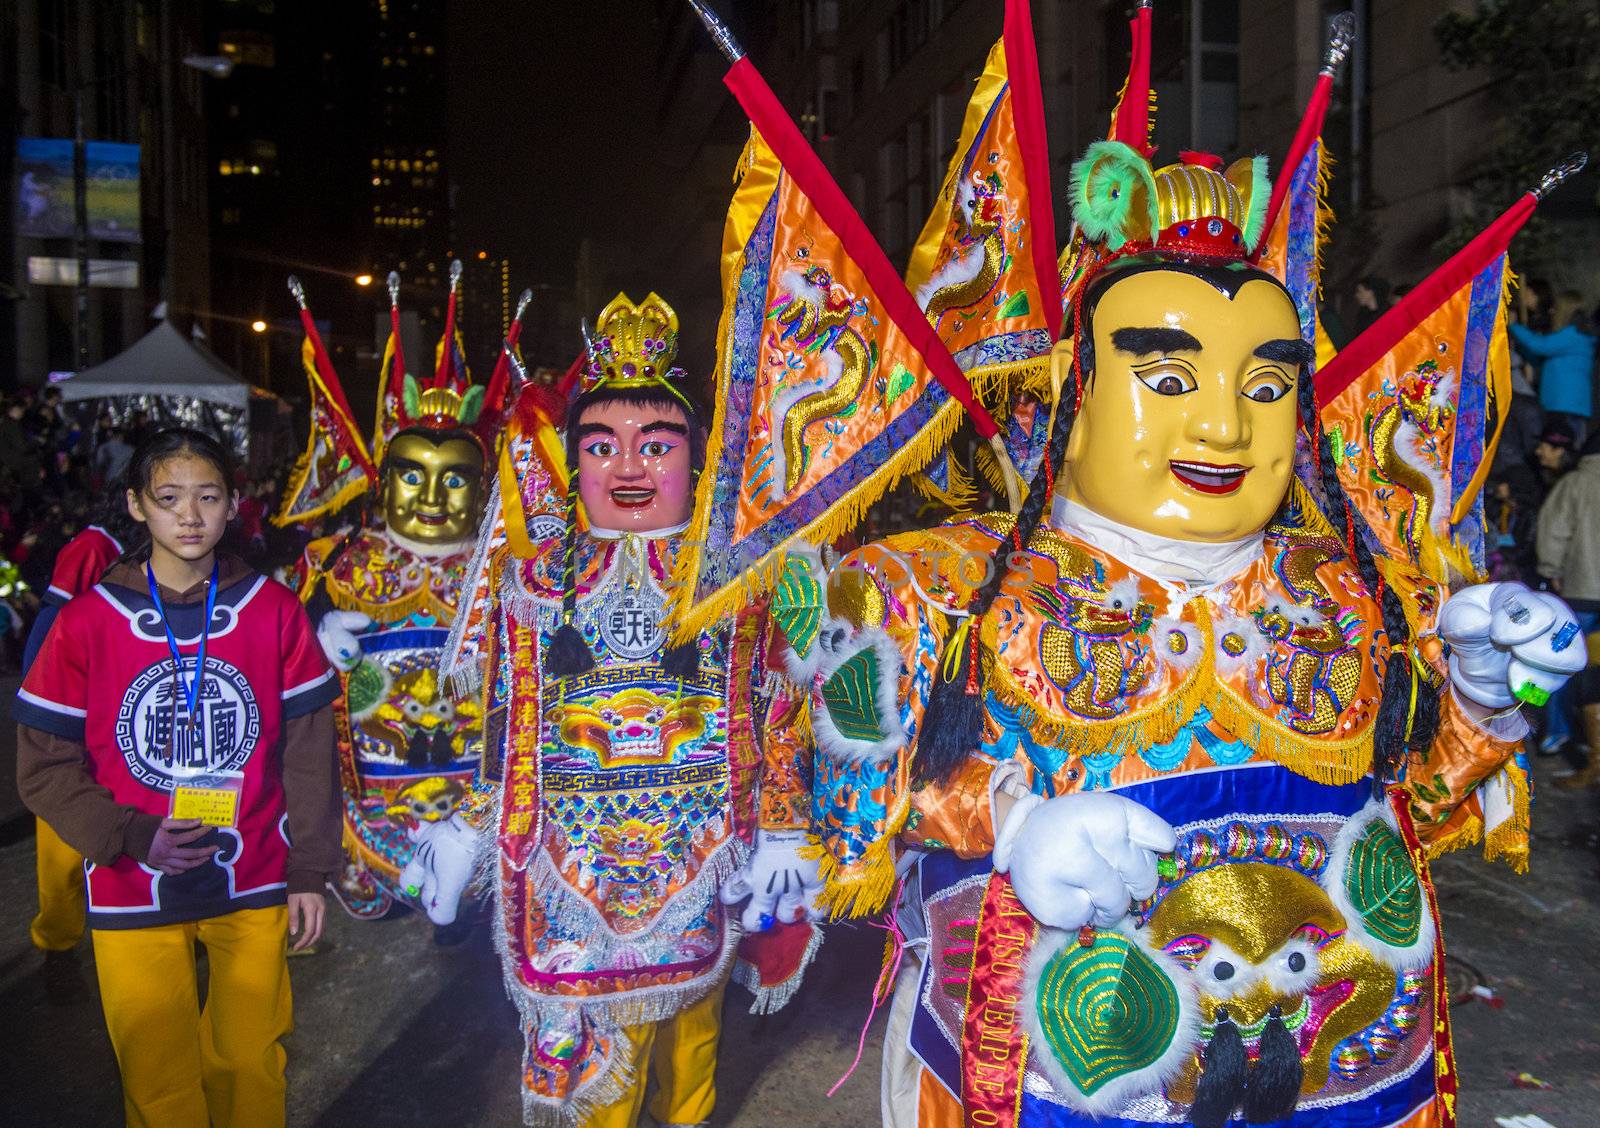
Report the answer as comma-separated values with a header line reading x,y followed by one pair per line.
x,y
635,467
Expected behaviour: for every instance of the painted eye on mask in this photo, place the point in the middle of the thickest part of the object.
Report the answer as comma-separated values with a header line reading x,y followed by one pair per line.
x,y
1267,388
411,477
600,449
656,448
454,481
1167,380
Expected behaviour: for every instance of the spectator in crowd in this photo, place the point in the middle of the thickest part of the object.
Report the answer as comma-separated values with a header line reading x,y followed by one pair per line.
x,y
111,458
1569,559
1566,368
1552,457
1525,417
1373,297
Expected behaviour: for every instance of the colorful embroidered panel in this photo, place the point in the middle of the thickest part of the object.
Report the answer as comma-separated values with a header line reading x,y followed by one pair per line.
x,y
973,269
822,402
1414,434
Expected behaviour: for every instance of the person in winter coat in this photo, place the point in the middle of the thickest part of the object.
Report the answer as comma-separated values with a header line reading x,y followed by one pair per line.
x,y
1566,374
1569,558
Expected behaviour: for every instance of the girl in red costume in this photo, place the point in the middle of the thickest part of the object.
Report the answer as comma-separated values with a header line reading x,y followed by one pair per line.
x,y
176,728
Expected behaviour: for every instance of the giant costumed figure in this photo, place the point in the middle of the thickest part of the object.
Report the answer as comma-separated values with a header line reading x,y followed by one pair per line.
x,y
384,596
637,779
1150,773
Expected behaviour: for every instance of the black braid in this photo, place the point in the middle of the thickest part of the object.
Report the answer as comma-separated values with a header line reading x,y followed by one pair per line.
x,y
569,655
952,723
1394,706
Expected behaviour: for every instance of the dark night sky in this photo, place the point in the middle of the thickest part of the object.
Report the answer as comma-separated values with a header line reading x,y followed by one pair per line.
x,y
550,118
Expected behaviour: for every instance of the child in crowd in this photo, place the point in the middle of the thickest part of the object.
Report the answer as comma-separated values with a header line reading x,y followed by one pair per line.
x,y
176,728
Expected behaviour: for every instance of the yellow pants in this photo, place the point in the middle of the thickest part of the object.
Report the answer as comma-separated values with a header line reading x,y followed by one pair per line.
x,y
684,1050
62,902
187,1068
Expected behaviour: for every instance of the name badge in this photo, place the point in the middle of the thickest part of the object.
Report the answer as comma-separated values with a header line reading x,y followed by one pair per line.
x,y
211,797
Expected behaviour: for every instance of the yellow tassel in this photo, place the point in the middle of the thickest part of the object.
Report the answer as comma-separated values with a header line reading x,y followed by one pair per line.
x,y
1509,840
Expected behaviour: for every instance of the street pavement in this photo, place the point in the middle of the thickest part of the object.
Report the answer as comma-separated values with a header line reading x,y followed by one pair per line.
x,y
392,1030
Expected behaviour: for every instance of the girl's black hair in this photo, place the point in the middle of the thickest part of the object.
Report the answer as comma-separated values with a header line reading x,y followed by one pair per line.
x,y
952,723
569,653
174,442
156,448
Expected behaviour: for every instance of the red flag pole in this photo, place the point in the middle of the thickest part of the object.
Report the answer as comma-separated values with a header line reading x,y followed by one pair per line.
x,y
500,380
447,343
1340,40
1428,295
1131,122
1027,107
1434,290
803,165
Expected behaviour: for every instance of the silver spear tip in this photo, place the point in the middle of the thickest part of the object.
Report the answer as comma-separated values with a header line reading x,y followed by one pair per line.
x,y
455,272
394,287
1341,37
1564,171
519,371
522,303
298,291
719,32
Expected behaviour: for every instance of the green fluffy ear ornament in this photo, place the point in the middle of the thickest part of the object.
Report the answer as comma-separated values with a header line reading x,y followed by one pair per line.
x,y
1114,195
472,404
411,397
1248,175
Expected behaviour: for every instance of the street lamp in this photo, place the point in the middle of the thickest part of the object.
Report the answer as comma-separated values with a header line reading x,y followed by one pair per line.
x,y
258,326
363,280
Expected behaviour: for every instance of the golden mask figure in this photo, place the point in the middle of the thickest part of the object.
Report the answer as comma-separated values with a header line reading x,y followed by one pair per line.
x,y
385,598
433,486
1187,426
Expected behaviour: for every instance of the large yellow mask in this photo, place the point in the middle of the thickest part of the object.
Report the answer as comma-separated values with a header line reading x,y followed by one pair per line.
x,y
433,490
1187,426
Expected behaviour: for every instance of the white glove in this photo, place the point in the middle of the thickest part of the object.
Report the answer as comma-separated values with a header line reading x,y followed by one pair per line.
x,y
1083,858
782,886
336,633
1508,643
440,866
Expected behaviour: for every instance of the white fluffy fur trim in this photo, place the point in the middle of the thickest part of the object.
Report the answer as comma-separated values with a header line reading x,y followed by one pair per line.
x,y
1114,1094
1415,955
834,744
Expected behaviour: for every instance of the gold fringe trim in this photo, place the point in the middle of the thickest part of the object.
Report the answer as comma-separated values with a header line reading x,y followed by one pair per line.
x,y
423,599
1509,840
1468,833
1325,761
863,887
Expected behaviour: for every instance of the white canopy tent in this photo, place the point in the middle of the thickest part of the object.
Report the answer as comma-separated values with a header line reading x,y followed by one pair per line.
x,y
161,363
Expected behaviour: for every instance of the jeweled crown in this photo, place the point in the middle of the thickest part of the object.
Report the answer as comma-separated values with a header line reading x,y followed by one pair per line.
x,y
633,345
1191,207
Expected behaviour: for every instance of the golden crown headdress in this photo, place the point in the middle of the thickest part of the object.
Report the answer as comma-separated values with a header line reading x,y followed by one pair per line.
x,y
633,346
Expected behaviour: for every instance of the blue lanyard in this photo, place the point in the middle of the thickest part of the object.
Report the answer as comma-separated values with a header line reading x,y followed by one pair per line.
x,y
193,691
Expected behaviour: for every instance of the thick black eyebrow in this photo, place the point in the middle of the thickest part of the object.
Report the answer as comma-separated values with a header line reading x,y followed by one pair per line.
x,y
1148,342
664,425
587,429
1288,351
406,464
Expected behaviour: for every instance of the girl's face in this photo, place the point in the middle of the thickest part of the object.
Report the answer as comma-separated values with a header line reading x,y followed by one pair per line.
x,y
186,506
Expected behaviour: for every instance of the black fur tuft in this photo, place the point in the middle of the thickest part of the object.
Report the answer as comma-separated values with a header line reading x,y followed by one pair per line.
x,y
682,661
1222,1083
1274,1086
569,655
